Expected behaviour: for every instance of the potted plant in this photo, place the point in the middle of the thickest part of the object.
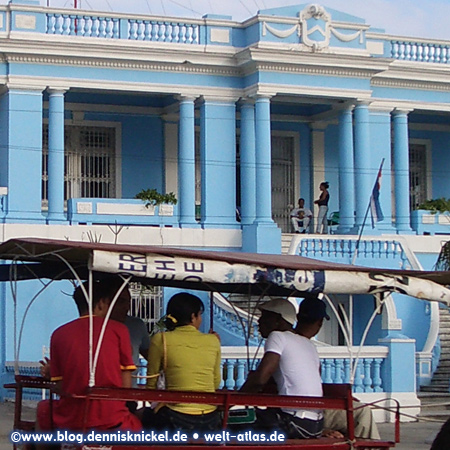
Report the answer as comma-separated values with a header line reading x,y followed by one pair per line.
x,y
153,198
432,216
437,205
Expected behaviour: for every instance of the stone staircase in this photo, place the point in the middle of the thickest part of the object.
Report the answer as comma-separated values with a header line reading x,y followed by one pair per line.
x,y
286,239
441,378
434,405
435,398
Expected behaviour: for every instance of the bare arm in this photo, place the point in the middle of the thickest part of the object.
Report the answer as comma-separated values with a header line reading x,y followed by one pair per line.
x,y
256,380
126,378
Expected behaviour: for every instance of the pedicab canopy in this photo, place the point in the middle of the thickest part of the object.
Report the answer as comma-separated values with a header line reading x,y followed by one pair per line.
x,y
282,275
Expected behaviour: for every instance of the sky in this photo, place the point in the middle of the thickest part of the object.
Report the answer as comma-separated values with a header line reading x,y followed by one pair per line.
x,y
415,18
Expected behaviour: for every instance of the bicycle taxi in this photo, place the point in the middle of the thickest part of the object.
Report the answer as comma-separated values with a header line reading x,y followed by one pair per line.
x,y
257,275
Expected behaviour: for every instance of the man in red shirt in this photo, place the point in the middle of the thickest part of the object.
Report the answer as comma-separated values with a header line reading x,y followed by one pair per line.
x,y
69,367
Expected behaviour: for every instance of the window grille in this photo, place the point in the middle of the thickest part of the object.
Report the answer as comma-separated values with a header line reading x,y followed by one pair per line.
x,y
89,162
418,188
147,302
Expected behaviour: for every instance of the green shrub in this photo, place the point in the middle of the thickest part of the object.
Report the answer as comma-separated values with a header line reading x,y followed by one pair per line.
x,y
437,205
152,197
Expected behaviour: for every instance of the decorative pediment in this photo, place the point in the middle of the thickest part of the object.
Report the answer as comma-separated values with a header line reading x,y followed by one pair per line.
x,y
316,24
314,28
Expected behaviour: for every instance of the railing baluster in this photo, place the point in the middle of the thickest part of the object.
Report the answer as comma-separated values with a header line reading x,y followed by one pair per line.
x,y
376,379
358,385
222,383
147,30
326,371
175,32
339,372
154,29
347,370
229,367
141,30
240,373
367,378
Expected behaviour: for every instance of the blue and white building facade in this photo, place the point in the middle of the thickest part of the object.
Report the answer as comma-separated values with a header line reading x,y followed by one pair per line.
x,y
95,107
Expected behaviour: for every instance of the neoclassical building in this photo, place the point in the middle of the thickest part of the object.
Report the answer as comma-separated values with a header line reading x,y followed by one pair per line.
x,y
238,120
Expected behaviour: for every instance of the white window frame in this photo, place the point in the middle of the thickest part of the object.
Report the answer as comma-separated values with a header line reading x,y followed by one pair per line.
x,y
429,179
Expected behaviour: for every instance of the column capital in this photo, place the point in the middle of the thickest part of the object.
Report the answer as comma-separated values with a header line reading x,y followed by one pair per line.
x,y
377,108
186,98
258,97
401,111
246,102
361,103
345,107
57,91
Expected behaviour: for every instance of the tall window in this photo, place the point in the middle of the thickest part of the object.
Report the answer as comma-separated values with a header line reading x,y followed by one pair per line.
x,y
283,184
418,170
89,162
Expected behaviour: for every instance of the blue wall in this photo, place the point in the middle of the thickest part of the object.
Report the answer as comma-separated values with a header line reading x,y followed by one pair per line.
x,y
142,151
415,315
363,307
50,310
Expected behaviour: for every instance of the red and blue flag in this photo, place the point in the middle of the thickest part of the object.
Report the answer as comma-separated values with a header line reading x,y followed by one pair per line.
x,y
375,207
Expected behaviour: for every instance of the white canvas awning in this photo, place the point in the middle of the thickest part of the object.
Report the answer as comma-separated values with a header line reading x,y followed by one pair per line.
x,y
218,271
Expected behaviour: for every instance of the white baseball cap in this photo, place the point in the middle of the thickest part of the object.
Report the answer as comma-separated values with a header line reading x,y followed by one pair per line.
x,y
284,307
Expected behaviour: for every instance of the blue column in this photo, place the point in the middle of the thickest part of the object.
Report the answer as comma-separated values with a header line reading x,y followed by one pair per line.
x,y
363,173
218,163
263,236
346,172
401,167
263,160
55,167
186,162
21,155
248,163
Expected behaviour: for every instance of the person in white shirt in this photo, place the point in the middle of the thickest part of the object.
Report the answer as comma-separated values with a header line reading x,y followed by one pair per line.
x,y
301,217
293,361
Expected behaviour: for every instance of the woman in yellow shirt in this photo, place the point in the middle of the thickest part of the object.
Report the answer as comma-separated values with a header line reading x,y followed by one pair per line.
x,y
192,364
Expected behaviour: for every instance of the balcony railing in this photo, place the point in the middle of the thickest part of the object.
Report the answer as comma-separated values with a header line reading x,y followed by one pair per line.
x,y
122,28
420,51
386,252
336,366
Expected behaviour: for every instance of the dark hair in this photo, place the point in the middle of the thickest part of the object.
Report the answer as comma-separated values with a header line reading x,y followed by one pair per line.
x,y
301,198
108,287
180,309
325,184
80,298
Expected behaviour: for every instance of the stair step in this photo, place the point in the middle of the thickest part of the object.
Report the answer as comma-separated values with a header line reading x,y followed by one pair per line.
x,y
436,388
435,414
431,398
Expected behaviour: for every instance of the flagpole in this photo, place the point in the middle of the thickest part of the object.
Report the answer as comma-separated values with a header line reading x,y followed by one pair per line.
x,y
355,254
